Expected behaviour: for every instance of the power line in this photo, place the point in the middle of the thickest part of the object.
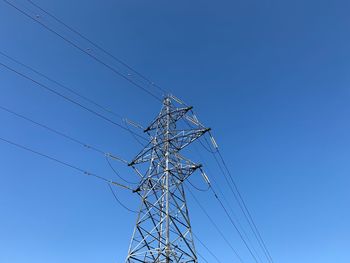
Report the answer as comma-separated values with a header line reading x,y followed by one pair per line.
x,y
223,195
74,167
132,133
234,225
85,145
197,188
70,100
239,204
208,149
235,217
88,146
119,202
89,100
210,252
266,251
202,257
83,50
62,86
97,46
116,173
215,225
68,137
238,197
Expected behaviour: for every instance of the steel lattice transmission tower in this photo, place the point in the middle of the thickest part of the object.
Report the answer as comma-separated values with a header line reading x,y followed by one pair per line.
x,y
163,230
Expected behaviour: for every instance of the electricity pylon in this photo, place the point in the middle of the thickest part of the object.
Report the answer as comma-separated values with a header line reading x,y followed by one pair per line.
x,y
163,231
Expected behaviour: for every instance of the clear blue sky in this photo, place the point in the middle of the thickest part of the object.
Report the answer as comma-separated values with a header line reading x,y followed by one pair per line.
x,y
270,77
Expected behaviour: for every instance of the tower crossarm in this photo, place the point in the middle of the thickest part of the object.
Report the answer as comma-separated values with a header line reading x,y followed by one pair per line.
x,y
181,169
180,140
175,115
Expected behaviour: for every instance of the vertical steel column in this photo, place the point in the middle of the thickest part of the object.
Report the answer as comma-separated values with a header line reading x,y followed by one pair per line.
x,y
167,133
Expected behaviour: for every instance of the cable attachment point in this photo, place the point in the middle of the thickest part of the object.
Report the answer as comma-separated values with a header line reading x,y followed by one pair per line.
x,y
133,123
215,145
177,99
138,189
109,155
205,177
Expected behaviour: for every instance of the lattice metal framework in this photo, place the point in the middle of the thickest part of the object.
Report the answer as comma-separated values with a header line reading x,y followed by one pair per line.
x,y
163,230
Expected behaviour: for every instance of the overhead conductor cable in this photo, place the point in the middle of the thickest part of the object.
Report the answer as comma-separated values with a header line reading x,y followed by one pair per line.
x,y
64,163
69,99
36,18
